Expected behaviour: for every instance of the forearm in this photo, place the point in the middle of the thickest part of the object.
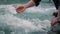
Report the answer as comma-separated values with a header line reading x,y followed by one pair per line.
x,y
59,12
29,4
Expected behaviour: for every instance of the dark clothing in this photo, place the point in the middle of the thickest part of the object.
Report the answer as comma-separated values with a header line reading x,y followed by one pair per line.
x,y
36,2
56,2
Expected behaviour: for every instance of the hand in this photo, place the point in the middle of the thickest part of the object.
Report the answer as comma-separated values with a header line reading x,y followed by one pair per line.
x,y
20,9
54,21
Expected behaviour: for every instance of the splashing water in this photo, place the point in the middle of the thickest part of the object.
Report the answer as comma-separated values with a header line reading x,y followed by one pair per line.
x,y
34,20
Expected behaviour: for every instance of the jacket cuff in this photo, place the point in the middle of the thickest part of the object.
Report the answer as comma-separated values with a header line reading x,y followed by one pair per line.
x,y
36,2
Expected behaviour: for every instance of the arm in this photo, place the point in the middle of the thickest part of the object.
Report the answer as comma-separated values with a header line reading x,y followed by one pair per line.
x,y
27,5
58,9
58,12
32,3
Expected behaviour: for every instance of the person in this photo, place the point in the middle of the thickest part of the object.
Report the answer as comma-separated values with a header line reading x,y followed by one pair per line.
x,y
36,3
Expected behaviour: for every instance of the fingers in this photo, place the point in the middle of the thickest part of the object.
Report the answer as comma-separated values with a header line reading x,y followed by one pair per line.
x,y
53,21
20,9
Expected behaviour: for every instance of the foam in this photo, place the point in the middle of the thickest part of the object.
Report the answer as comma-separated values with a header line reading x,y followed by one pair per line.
x,y
16,23
8,8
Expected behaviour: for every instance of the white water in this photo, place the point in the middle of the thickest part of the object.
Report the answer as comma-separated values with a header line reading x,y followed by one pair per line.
x,y
19,25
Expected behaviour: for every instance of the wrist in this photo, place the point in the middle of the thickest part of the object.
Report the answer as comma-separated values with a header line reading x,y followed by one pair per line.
x,y
25,6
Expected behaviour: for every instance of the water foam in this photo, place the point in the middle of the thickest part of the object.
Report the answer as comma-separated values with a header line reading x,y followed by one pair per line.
x,y
16,24
8,8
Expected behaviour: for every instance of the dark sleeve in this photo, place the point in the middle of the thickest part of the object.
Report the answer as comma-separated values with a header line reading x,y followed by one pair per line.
x,y
36,2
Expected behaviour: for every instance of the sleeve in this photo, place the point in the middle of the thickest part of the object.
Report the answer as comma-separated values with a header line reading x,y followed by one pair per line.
x,y
36,2
58,2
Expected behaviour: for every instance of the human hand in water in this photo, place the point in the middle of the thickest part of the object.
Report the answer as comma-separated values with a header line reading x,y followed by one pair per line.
x,y
20,9
53,21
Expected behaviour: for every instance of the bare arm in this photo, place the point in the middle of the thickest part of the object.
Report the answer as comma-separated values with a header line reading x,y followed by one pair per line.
x,y
29,4
32,3
58,11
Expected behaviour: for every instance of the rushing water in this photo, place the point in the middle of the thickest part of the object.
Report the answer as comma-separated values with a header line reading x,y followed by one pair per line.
x,y
34,20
